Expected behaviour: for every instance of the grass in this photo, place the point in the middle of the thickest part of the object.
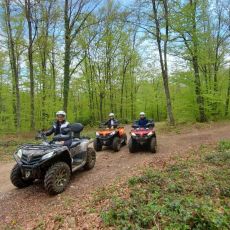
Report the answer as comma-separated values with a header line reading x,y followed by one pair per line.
x,y
189,194
9,144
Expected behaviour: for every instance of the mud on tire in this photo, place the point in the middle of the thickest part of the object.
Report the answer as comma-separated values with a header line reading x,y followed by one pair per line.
x,y
97,145
116,144
91,159
16,178
57,178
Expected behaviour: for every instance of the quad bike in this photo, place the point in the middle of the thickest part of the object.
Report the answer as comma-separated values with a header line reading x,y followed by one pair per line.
x,y
143,137
52,162
114,138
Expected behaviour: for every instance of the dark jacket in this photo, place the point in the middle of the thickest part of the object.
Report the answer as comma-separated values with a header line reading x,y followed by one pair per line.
x,y
61,131
143,122
111,122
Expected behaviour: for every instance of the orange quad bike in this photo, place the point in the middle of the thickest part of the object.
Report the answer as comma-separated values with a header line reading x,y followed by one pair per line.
x,y
114,138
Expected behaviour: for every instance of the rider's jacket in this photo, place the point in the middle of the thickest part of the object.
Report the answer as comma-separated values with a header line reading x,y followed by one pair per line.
x,y
111,123
143,122
61,131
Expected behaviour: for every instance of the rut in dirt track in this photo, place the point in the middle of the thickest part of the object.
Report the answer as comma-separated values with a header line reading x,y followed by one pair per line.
x,y
15,203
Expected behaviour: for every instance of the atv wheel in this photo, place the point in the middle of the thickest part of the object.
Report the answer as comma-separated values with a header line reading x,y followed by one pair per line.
x,y
91,159
132,145
57,178
16,178
153,145
97,145
125,140
116,144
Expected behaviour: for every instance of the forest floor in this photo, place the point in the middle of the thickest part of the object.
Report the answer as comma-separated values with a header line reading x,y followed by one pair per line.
x,y
32,208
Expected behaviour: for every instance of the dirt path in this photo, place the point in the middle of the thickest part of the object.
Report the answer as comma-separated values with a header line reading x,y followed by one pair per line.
x,y
5,185
15,204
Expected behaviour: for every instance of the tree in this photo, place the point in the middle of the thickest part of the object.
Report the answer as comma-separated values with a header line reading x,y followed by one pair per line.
x,y
14,64
162,44
186,27
75,15
31,36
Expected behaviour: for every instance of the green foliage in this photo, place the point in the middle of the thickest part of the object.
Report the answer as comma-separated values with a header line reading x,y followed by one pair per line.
x,y
115,73
224,145
192,194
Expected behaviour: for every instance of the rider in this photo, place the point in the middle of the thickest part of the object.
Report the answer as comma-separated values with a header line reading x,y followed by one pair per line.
x,y
61,130
143,121
112,122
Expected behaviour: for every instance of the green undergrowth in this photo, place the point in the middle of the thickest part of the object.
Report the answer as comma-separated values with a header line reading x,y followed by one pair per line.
x,y
9,144
189,194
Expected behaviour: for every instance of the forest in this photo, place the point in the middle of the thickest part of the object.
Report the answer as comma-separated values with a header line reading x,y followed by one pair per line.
x,y
168,58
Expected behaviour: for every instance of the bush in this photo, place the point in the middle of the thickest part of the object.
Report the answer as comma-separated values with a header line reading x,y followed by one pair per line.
x,y
224,145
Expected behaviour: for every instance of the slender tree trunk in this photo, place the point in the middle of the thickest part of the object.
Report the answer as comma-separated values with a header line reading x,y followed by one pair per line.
x,y
101,106
228,95
125,64
67,57
14,67
91,81
199,97
53,67
30,58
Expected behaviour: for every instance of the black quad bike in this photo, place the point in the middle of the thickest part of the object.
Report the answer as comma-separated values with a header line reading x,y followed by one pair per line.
x,y
143,137
52,162
114,138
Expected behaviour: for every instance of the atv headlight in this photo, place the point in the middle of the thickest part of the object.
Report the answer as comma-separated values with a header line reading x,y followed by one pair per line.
x,y
112,133
19,153
133,134
97,134
48,155
150,134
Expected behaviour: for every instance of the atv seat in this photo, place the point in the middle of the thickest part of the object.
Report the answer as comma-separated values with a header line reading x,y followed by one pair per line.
x,y
76,128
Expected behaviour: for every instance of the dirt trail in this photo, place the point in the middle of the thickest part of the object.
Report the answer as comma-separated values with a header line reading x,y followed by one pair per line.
x,y
15,204
5,184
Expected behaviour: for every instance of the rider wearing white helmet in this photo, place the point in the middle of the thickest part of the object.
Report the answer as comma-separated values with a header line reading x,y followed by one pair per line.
x,y
60,129
143,121
112,122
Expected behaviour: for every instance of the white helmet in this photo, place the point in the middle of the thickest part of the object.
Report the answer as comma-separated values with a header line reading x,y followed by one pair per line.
x,y
142,114
111,115
61,113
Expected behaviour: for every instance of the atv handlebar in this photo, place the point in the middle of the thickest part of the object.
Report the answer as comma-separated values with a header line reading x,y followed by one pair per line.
x,y
40,136
148,125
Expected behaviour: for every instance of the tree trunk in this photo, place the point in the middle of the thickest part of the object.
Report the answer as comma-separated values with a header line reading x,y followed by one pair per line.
x,y
101,106
53,67
67,57
30,58
124,70
199,97
228,95
14,67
